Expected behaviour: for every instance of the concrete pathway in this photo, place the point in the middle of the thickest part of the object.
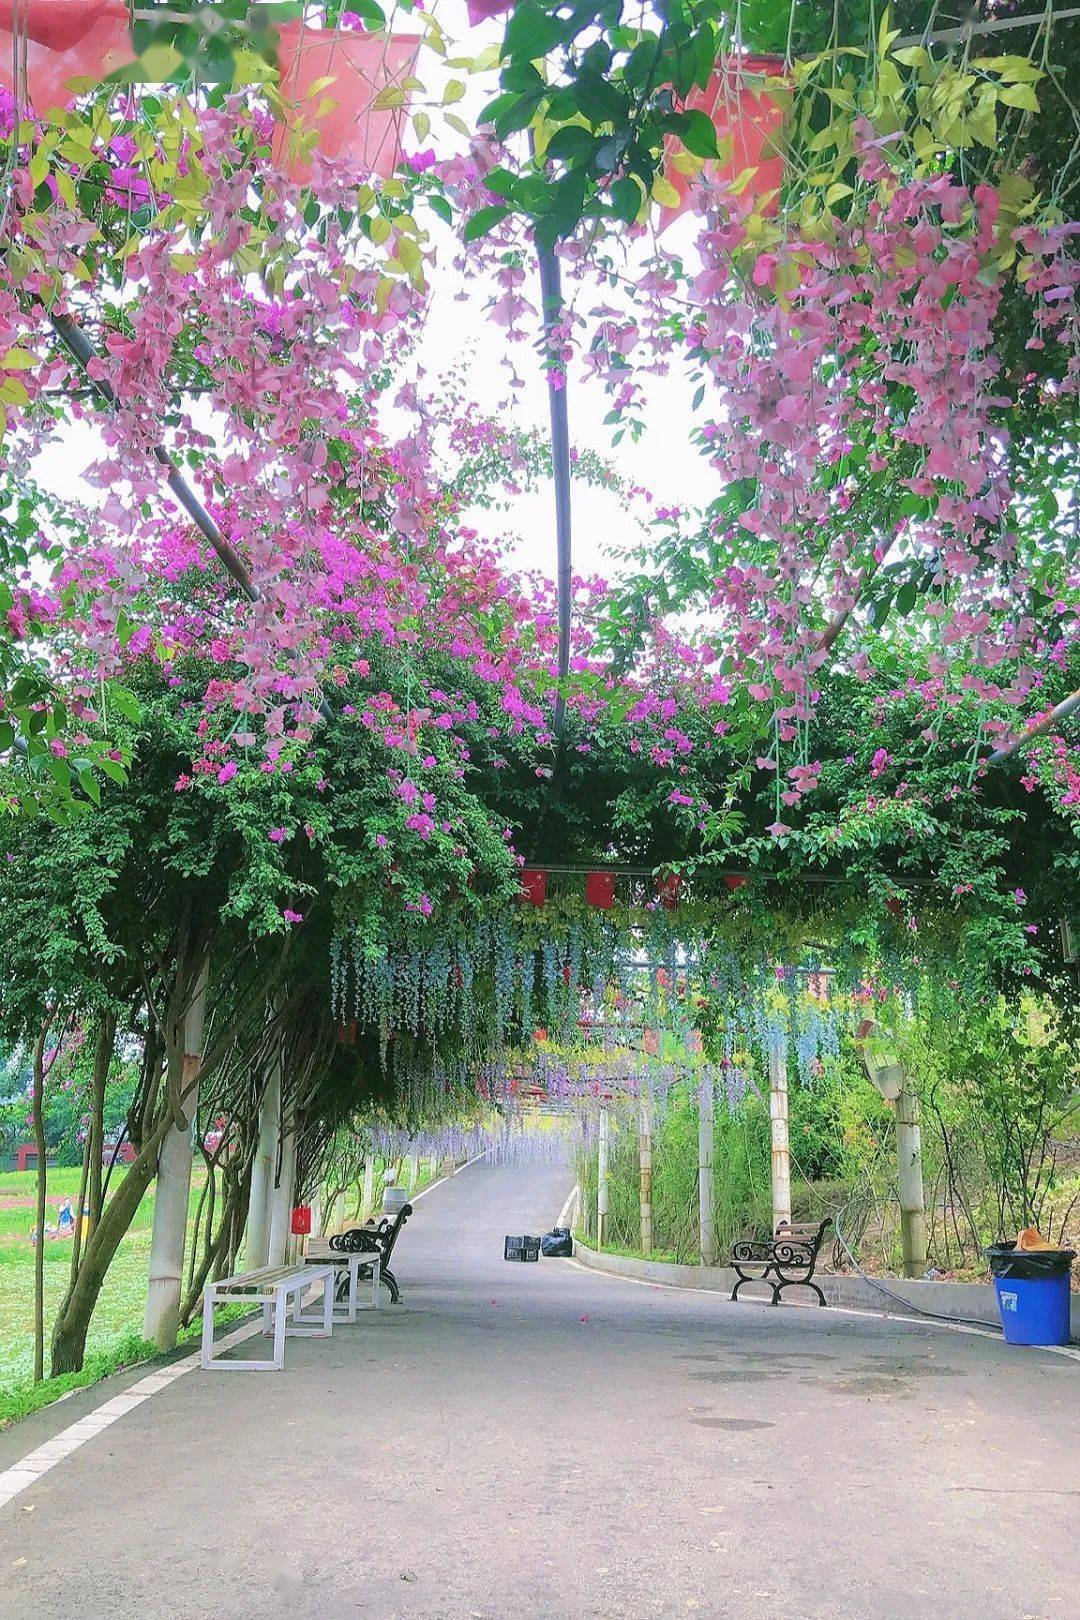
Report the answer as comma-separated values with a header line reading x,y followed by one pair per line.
x,y
544,1443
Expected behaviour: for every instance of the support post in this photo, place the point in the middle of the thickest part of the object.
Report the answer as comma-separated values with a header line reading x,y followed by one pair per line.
x,y
645,1110
412,1166
433,1167
172,1192
257,1238
282,1201
778,1120
603,1154
909,1164
368,1197
706,1218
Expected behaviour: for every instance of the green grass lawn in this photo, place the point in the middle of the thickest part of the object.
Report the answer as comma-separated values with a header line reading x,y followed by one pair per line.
x,y
119,1312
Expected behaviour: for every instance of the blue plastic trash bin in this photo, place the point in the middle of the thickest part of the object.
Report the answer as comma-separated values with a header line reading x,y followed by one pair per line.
x,y
1032,1293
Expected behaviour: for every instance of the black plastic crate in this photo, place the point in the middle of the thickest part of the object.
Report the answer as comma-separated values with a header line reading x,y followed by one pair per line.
x,y
521,1248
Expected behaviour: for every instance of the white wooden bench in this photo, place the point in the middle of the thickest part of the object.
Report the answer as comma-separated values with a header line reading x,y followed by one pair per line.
x,y
317,1251
276,1288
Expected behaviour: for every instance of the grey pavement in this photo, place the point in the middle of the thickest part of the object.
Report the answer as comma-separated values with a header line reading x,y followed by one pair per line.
x,y
538,1442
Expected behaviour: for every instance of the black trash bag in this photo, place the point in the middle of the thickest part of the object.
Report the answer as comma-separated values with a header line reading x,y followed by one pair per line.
x,y
1028,1265
557,1244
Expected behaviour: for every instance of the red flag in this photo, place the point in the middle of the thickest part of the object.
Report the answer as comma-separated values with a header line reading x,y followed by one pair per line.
x,y
64,40
361,66
745,100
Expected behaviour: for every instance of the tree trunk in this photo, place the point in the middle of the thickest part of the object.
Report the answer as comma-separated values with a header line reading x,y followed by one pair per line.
x,y
73,1320
706,1217
103,1052
161,1321
778,1120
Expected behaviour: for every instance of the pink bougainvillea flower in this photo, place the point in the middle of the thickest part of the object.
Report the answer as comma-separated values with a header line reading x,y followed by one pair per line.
x,y
292,916
277,835
481,10
227,772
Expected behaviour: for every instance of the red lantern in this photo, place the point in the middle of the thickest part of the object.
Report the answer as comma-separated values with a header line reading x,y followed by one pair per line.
x,y
734,882
533,885
650,1041
346,1033
746,102
895,905
667,890
363,69
301,1220
65,40
600,890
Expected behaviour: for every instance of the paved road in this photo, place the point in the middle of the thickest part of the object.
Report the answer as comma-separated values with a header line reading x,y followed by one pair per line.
x,y
544,1443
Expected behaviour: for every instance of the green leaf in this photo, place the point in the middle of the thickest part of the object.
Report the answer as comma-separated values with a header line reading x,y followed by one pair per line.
x,y
484,220
125,703
532,33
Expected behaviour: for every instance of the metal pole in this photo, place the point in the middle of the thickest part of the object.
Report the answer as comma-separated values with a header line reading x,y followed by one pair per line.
x,y
551,297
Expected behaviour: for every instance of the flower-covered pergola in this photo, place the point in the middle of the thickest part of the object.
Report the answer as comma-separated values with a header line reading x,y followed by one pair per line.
x,y
288,743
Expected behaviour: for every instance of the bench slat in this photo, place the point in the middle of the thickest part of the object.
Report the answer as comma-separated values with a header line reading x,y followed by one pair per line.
x,y
248,1282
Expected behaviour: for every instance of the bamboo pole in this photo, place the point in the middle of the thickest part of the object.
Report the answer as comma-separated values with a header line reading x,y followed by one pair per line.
x,y
257,1239
781,1143
161,1321
909,1164
602,1172
645,1163
706,1216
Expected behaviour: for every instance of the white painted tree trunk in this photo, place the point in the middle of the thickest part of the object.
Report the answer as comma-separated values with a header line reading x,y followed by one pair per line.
x,y
433,1167
161,1320
781,1142
912,1198
282,1201
706,1218
645,1163
257,1239
602,1171
367,1201
412,1165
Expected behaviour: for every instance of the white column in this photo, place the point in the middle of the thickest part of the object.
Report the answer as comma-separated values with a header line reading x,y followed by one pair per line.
x,y
706,1219
645,1163
778,1120
603,1151
172,1190
282,1201
257,1237
909,1164
369,1187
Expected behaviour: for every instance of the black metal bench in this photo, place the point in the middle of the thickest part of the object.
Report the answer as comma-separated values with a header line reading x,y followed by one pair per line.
x,y
789,1257
375,1239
